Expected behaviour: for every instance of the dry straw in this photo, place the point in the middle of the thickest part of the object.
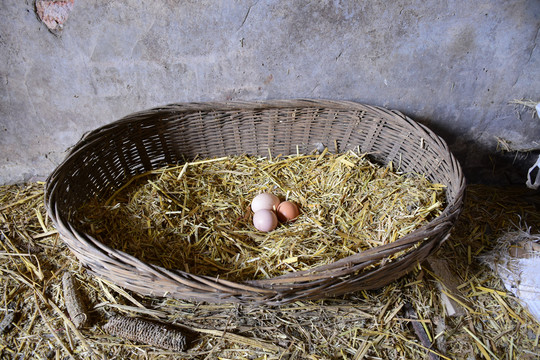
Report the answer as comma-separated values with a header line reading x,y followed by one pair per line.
x,y
105,159
197,216
361,325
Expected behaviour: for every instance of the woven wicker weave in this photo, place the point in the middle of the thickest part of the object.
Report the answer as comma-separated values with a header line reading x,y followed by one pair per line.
x,y
107,157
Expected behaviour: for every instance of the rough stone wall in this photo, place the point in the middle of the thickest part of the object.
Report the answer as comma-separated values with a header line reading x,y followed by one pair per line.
x,y
454,66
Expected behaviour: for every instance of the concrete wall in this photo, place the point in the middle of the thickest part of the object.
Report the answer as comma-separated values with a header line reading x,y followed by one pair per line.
x,y
453,65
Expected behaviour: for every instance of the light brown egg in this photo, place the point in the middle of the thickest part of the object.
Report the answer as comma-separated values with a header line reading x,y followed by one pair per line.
x,y
287,211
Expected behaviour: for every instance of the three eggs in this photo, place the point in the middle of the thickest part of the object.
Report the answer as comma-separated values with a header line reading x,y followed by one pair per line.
x,y
268,210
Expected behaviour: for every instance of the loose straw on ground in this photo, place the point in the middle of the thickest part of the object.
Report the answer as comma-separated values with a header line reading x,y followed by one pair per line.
x,y
361,325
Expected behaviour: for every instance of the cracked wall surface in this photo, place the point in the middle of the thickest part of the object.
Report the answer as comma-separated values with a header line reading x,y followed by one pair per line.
x,y
454,66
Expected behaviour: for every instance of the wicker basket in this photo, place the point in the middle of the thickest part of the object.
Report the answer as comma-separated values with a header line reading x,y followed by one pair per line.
x,y
107,157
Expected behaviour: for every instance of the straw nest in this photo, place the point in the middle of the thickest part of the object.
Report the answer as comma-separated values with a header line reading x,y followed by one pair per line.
x,y
99,166
406,319
197,217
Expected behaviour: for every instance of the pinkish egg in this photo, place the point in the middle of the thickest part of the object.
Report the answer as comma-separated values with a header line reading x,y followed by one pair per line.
x,y
265,220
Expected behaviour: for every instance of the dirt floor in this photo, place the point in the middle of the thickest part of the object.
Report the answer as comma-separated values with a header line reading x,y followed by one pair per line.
x,y
452,307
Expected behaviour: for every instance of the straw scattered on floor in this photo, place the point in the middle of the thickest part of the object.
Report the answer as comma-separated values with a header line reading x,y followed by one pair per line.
x,y
365,325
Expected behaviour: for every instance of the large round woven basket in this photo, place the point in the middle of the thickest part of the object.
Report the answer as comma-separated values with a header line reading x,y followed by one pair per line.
x,y
108,157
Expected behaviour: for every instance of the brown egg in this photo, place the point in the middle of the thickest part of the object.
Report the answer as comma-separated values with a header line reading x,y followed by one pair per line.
x,y
287,211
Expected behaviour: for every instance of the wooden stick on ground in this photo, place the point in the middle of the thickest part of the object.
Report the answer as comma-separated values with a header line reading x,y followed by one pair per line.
x,y
419,330
449,281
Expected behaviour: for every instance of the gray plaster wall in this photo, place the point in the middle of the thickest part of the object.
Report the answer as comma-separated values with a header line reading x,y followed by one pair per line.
x,y
453,65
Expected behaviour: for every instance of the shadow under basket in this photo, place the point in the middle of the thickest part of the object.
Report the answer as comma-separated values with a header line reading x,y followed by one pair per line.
x,y
108,157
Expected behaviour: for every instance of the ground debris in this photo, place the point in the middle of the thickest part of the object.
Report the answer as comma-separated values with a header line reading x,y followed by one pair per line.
x,y
148,332
361,325
75,303
7,322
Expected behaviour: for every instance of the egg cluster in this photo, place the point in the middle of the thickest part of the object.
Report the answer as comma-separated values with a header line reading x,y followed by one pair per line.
x,y
268,210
